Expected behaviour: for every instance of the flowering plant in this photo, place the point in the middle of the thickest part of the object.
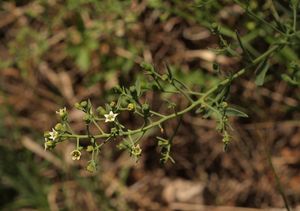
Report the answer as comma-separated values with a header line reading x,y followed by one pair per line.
x,y
212,103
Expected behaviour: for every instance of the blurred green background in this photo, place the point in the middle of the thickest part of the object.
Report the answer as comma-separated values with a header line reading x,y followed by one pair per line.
x,y
54,53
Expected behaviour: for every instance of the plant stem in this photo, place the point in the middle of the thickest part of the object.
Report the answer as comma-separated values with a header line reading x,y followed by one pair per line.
x,y
194,104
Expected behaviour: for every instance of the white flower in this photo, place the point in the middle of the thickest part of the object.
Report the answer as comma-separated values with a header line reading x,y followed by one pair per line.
x,y
76,154
62,112
53,135
110,117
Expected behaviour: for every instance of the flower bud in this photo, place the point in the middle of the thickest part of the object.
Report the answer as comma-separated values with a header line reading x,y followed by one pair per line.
x,y
132,90
164,77
59,127
47,134
89,148
101,111
91,167
83,104
77,106
112,104
131,106
87,118
145,108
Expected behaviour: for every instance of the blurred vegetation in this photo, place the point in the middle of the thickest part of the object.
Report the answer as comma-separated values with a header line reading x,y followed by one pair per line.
x,y
54,53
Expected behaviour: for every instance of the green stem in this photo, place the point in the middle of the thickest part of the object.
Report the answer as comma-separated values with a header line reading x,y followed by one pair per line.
x,y
295,8
196,103
157,114
99,128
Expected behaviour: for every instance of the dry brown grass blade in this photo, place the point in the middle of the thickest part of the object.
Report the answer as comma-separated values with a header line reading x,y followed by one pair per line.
x,y
38,150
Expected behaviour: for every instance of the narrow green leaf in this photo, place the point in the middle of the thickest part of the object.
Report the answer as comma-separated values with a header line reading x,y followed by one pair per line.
x,y
262,71
169,71
246,53
230,111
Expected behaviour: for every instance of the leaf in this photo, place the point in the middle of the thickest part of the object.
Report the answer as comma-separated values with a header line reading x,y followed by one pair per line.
x,y
263,69
169,71
246,52
222,93
230,111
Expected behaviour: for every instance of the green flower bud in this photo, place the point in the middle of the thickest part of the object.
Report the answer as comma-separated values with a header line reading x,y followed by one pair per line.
x,y
131,106
114,131
132,90
215,27
224,104
59,127
146,66
164,77
112,104
91,167
89,148
87,118
49,145
77,106
101,111
47,134
83,104
118,89
145,108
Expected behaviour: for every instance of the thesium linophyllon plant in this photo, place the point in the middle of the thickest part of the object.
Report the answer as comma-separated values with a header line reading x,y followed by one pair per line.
x,y
211,103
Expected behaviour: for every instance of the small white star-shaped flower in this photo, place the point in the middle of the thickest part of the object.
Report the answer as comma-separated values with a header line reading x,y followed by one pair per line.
x,y
110,117
62,111
53,135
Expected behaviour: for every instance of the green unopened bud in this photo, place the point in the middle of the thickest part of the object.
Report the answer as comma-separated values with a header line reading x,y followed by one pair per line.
x,y
87,118
46,134
132,90
77,106
118,89
101,111
114,131
145,108
164,77
112,104
146,66
224,104
49,145
90,148
226,140
215,27
83,104
91,167
131,106
59,127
